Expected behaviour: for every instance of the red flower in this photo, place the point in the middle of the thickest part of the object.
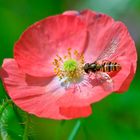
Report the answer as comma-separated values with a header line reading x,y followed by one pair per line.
x,y
46,77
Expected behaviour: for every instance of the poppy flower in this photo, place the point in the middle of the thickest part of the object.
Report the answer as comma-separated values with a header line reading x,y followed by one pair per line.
x,y
46,77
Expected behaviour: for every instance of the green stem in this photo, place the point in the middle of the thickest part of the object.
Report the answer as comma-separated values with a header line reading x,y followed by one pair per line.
x,y
75,130
25,135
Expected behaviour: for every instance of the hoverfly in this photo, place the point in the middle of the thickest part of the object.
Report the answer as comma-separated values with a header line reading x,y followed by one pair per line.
x,y
105,66
101,67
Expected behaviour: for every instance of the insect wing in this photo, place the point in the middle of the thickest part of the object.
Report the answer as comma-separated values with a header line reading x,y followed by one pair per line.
x,y
105,80
109,50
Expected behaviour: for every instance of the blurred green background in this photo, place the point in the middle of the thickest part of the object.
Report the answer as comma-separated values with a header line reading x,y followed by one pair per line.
x,y
115,117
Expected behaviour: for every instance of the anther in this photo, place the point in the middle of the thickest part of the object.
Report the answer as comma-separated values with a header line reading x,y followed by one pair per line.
x,y
69,52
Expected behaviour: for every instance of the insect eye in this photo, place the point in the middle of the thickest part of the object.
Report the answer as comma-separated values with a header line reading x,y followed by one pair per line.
x,y
86,65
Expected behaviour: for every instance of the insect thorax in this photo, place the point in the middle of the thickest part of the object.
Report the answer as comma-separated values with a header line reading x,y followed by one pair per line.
x,y
95,67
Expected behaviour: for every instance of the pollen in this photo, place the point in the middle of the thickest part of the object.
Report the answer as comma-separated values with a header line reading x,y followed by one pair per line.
x,y
70,66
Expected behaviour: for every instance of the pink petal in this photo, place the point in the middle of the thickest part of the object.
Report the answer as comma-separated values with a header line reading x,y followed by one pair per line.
x,y
41,42
83,94
124,77
71,12
76,112
36,95
102,31
91,92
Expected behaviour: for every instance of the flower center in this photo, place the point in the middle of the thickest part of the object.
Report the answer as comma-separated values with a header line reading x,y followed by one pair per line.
x,y
70,65
69,68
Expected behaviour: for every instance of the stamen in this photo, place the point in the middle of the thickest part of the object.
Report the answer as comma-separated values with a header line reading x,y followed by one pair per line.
x,y
69,52
56,62
65,56
60,59
82,59
76,53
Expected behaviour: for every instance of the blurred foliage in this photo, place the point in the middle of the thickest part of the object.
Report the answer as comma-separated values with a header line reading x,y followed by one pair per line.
x,y
115,117
8,119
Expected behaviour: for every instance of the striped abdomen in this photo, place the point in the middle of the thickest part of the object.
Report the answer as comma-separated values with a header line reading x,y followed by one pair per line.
x,y
110,67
